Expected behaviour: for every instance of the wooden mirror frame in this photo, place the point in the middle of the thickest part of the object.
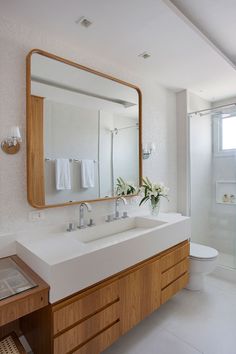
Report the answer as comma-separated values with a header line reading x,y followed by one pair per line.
x,y
35,191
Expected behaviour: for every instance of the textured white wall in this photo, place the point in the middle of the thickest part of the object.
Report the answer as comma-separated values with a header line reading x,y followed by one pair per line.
x,y
182,152
159,125
186,103
200,169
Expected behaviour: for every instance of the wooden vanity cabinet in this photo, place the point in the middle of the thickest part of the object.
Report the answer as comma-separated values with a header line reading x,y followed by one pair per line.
x,y
89,323
174,271
24,300
91,320
139,294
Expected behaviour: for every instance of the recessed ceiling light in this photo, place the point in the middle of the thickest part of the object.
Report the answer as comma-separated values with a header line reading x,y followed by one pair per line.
x,y
144,55
83,21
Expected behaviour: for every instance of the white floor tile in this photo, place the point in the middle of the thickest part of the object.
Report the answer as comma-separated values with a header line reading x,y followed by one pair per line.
x,y
190,323
223,285
153,342
227,260
207,320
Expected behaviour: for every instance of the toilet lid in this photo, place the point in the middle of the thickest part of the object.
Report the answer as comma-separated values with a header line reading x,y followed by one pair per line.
x,y
203,252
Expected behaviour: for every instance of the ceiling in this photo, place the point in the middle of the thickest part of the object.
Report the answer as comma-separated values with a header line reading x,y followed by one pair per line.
x,y
216,19
182,57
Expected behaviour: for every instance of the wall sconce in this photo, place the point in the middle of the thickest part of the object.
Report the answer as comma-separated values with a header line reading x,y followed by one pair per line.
x,y
11,145
148,149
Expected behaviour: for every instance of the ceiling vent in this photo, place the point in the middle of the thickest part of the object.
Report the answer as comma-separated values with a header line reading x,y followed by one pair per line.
x,y
144,55
84,21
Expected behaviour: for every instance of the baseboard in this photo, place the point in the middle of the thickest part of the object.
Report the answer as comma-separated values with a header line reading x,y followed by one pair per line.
x,y
225,273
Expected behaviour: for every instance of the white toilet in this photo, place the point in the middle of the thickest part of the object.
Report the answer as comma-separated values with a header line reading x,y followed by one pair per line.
x,y
203,260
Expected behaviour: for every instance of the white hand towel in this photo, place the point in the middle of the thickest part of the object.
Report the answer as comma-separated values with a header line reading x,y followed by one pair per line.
x,y
87,174
63,180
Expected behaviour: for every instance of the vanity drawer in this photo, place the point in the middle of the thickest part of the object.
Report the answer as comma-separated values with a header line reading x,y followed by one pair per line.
x,y
173,288
175,272
23,304
101,341
79,307
86,330
174,257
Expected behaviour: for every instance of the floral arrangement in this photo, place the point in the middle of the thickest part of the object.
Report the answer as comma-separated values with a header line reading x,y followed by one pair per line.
x,y
125,188
153,192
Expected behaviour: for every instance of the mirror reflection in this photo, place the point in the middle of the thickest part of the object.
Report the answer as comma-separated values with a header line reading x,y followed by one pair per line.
x,y
90,132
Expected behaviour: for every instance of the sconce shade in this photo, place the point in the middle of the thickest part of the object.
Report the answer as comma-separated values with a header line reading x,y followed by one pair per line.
x,y
148,149
15,132
153,147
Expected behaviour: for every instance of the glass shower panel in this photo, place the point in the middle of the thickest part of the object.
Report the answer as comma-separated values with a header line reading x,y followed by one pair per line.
x,y
213,186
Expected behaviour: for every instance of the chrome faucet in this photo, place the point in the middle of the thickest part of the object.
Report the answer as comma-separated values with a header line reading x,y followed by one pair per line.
x,y
81,214
117,214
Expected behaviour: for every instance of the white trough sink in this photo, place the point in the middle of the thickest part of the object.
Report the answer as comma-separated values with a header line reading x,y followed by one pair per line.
x,y
129,227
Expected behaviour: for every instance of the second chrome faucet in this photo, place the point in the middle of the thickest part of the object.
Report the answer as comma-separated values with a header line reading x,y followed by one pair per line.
x,y
117,202
116,216
82,223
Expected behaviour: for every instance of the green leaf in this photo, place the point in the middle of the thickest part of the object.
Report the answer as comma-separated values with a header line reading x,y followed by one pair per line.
x,y
143,200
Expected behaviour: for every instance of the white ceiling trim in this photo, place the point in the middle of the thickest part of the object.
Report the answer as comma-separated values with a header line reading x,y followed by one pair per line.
x,y
209,41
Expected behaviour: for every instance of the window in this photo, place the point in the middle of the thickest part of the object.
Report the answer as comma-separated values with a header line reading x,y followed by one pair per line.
x,y
228,133
224,136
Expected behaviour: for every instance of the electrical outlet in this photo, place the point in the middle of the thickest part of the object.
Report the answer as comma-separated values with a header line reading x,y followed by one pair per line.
x,y
36,215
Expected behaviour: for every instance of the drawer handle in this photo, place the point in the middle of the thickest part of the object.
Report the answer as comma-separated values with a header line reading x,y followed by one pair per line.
x,y
175,280
166,270
87,317
94,336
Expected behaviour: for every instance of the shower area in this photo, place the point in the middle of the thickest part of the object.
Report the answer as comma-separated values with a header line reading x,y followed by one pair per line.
x,y
124,153
212,135
118,151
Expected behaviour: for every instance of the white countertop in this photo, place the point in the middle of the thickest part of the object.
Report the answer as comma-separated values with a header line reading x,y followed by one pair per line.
x,y
69,265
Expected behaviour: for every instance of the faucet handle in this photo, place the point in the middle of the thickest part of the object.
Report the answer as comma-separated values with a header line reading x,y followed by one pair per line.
x,y
91,223
109,218
125,215
117,215
71,227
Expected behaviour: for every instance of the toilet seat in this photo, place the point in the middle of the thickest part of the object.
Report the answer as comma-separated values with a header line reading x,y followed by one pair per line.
x,y
202,261
203,253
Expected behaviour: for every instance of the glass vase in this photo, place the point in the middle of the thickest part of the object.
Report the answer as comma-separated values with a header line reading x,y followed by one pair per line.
x,y
154,207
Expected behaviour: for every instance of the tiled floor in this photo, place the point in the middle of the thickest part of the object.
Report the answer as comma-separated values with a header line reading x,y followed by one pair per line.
x,y
190,323
226,260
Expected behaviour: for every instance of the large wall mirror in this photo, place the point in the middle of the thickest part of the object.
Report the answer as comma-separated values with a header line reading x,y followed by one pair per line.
x,y
83,132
